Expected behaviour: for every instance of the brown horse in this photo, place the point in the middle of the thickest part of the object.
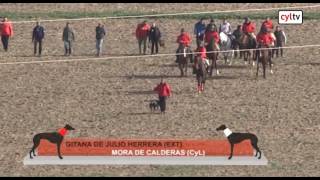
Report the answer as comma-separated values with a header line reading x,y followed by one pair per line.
x,y
213,56
246,43
201,73
264,57
184,55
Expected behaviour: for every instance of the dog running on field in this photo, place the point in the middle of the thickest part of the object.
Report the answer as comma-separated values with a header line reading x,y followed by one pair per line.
x,y
154,105
53,137
235,138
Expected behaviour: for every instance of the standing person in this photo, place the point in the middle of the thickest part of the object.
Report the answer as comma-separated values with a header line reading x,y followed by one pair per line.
x,y
37,37
281,40
199,30
68,39
164,91
100,33
142,33
236,42
154,38
6,32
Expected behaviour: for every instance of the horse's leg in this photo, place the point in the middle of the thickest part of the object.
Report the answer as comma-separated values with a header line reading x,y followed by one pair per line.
x,y
264,67
186,67
215,64
211,66
270,64
257,68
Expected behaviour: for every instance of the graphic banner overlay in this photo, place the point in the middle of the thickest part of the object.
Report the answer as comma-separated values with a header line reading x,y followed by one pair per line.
x,y
290,17
129,147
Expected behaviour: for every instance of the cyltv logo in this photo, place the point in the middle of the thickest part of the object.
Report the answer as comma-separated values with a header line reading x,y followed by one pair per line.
x,y
290,17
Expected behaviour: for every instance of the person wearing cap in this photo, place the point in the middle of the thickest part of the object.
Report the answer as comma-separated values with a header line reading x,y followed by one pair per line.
x,y
68,39
142,33
264,38
163,89
199,30
37,37
6,32
100,33
154,38
210,25
268,24
212,33
249,28
183,40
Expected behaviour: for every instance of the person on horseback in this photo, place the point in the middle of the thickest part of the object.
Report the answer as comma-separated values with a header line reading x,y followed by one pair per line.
x,y
212,33
210,25
183,40
269,26
199,30
264,38
225,27
202,55
249,28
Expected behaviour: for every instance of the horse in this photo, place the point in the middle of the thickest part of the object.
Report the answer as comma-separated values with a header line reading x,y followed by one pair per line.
x,y
184,55
226,45
264,57
201,73
213,56
245,43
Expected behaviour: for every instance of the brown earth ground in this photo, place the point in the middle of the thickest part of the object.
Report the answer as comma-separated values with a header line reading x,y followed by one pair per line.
x,y
108,98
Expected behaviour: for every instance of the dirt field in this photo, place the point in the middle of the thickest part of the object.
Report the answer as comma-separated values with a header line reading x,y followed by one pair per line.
x,y
107,98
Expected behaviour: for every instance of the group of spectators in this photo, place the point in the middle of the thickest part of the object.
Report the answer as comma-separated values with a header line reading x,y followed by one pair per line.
x,y
147,35
38,35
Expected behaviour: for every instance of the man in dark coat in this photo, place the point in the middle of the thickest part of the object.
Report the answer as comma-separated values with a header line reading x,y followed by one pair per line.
x,y
154,38
37,37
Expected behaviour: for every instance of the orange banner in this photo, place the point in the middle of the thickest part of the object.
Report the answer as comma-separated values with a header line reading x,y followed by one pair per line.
x,y
143,147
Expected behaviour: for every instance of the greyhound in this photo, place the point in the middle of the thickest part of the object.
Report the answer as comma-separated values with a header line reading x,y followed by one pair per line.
x,y
53,137
154,105
235,138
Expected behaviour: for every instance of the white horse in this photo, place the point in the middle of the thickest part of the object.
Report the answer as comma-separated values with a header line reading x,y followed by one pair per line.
x,y
226,45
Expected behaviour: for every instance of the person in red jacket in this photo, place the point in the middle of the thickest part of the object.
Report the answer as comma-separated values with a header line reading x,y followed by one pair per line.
x,y
6,32
212,33
183,39
142,33
268,24
264,38
249,28
163,89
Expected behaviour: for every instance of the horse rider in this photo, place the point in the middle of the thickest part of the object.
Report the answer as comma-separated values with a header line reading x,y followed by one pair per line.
x,y
211,24
269,25
212,33
199,30
225,27
202,55
183,40
249,28
264,38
